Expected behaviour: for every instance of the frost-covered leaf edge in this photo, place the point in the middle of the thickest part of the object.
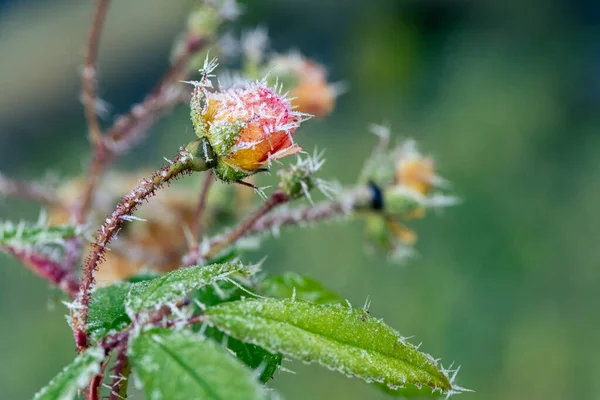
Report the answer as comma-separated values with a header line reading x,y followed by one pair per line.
x,y
89,365
449,387
262,393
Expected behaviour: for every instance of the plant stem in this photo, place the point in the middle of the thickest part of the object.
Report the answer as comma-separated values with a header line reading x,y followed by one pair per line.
x,y
93,388
130,127
184,163
219,243
89,71
121,371
33,191
360,198
47,268
197,226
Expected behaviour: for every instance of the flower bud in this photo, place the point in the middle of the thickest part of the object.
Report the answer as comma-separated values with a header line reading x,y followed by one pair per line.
x,y
307,82
246,126
417,173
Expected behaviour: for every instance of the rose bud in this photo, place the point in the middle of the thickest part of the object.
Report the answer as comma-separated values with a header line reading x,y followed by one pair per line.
x,y
247,127
415,170
306,81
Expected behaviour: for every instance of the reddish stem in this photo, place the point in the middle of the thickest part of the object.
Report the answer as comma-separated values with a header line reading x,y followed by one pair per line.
x,y
197,225
130,127
219,243
183,163
30,190
89,71
47,268
120,371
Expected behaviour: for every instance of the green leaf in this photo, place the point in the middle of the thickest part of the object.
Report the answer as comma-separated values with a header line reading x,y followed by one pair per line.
x,y
308,289
24,234
183,365
174,285
291,284
143,277
107,310
253,356
409,392
339,337
74,377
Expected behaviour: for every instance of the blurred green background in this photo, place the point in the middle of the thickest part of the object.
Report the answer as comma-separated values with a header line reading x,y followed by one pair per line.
x,y
505,94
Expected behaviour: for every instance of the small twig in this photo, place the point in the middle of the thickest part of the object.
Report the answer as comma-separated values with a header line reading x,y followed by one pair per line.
x,y
33,191
358,199
89,71
197,226
129,128
196,319
183,163
93,389
301,215
219,243
121,370
47,268
111,342
96,168
119,341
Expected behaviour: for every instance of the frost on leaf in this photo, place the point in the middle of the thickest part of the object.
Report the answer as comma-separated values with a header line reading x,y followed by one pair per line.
x,y
25,234
107,310
169,288
183,365
292,285
337,336
74,377
263,362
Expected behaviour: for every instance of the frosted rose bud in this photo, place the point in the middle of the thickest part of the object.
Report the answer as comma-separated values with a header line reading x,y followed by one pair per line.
x,y
307,82
417,173
246,127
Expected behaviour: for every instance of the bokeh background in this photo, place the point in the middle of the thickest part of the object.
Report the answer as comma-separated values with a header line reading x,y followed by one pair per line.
x,y
504,93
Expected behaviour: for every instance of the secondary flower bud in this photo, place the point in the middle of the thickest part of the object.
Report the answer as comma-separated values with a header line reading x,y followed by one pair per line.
x,y
246,127
307,82
417,173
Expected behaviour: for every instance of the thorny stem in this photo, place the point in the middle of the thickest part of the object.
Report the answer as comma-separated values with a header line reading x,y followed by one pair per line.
x,y
30,190
196,226
93,388
219,243
47,268
130,127
185,162
361,198
120,371
109,343
89,71
96,168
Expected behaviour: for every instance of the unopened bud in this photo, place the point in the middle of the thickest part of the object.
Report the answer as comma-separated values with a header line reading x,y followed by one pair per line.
x,y
307,82
246,127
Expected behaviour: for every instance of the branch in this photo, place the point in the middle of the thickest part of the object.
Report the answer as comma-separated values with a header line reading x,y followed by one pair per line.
x,y
360,198
121,371
129,128
219,243
89,71
196,227
33,191
46,268
185,162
